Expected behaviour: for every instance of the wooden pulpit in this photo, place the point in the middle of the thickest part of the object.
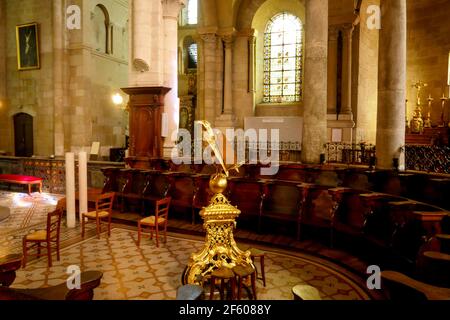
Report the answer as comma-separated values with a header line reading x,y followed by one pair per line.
x,y
146,105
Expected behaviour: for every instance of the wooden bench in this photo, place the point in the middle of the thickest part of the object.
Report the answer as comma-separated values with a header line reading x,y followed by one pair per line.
x,y
22,180
89,281
402,287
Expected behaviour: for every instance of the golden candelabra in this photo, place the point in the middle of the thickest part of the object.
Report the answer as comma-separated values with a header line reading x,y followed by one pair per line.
x,y
427,122
220,249
417,123
443,101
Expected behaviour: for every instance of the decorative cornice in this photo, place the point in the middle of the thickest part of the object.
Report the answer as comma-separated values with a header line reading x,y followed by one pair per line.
x,y
172,8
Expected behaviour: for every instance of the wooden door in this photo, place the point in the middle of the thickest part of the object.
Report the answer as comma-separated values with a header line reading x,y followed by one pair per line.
x,y
23,135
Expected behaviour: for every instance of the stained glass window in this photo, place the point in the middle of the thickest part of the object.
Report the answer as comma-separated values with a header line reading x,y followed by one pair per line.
x,y
192,12
192,56
283,51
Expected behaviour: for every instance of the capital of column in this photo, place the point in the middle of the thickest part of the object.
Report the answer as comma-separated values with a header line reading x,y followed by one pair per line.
x,y
208,37
228,40
227,37
333,32
171,8
347,29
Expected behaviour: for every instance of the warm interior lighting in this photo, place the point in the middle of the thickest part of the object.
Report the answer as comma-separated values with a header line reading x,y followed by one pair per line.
x,y
117,99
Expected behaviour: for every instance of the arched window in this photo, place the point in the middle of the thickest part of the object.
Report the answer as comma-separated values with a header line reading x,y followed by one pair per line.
x,y
192,12
190,54
283,51
101,29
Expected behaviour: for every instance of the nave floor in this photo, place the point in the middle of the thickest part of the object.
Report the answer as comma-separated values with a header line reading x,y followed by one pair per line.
x,y
147,272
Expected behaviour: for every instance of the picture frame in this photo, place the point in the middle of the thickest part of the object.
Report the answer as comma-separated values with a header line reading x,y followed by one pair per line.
x,y
27,40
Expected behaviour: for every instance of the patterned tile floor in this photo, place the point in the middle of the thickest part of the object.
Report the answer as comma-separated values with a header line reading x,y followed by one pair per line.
x,y
147,272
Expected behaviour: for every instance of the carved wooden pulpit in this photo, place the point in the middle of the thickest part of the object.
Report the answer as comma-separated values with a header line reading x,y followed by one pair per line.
x,y
146,105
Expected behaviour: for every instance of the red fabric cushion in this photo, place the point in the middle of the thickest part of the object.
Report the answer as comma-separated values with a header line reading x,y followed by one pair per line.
x,y
19,178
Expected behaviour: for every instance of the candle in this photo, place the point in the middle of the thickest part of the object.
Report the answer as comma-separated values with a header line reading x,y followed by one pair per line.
x,y
70,189
82,182
448,76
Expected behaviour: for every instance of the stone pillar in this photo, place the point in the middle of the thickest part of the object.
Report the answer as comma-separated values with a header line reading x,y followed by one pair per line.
x,y
332,68
227,119
171,10
5,121
251,62
315,91
227,88
391,84
146,44
210,44
59,74
347,31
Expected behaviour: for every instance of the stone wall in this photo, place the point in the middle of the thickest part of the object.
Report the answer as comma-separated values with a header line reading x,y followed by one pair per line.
x,y
29,91
4,130
428,50
70,95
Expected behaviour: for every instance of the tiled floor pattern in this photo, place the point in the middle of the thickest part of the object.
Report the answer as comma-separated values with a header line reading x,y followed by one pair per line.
x,y
28,213
147,272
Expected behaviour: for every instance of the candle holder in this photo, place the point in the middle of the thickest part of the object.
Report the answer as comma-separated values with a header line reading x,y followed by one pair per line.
x,y
427,122
406,116
443,101
417,121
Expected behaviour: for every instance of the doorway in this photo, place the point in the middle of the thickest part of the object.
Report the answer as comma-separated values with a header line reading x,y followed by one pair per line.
x,y
23,135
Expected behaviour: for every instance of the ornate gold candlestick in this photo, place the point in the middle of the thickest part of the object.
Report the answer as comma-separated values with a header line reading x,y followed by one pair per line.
x,y
219,218
417,121
443,101
406,116
427,122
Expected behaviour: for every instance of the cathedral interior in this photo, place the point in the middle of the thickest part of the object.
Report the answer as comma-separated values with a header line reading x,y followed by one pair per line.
x,y
224,150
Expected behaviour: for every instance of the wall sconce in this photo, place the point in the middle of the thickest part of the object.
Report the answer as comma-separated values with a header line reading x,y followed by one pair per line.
x,y
117,99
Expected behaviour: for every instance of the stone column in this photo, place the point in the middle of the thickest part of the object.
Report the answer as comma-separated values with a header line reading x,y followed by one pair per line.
x,y
59,76
391,84
315,91
227,119
210,44
332,68
251,62
5,121
171,10
347,31
146,44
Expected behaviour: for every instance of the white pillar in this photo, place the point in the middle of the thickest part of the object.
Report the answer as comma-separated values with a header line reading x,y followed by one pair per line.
x,y
171,10
70,189
145,44
391,84
82,183
315,90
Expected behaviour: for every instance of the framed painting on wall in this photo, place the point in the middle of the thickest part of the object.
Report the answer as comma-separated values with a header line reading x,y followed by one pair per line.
x,y
27,39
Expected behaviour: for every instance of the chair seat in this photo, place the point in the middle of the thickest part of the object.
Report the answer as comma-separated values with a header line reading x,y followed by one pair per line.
x,y
150,221
223,273
256,252
37,235
243,271
93,214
